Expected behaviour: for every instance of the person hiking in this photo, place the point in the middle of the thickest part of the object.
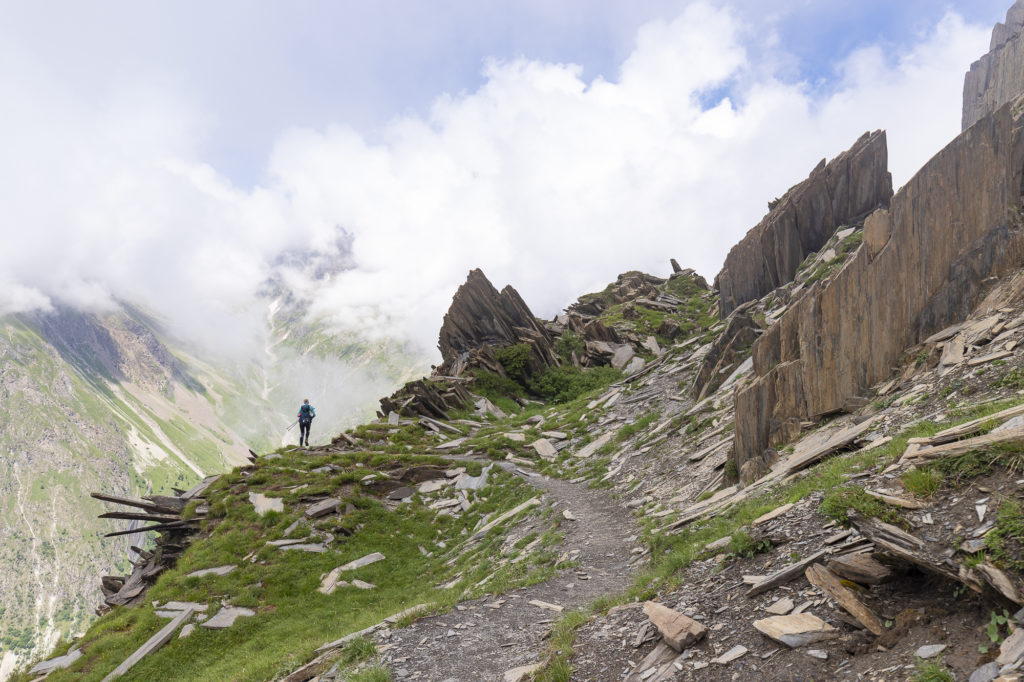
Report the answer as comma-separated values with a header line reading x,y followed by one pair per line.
x,y
306,416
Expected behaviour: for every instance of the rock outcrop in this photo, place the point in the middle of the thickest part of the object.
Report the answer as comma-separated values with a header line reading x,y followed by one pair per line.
x,y
481,319
998,77
841,192
923,266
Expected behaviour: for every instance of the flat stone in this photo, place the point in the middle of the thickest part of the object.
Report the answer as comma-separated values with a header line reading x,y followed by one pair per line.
x,y
451,444
521,673
401,493
544,448
731,655
796,630
773,514
516,437
432,486
323,508
568,515
718,545
1015,424
182,605
986,673
546,605
623,354
393,418
1012,648
930,650
362,561
227,616
57,663
263,504
187,630
315,548
594,446
465,482
555,435
635,365
363,585
219,570
818,653
782,607
287,542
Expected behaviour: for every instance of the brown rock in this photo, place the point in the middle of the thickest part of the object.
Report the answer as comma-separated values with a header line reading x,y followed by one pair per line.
x,y
481,318
679,631
860,568
732,345
843,191
949,233
877,229
998,77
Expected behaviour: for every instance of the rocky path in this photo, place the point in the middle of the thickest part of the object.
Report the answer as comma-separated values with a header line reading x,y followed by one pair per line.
x,y
483,639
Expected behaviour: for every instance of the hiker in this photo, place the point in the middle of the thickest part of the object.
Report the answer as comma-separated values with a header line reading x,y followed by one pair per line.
x,y
306,416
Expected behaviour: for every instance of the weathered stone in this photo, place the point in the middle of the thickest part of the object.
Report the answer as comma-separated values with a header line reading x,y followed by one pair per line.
x,y
521,673
841,192
930,650
263,504
323,508
219,570
731,346
595,445
951,229
1012,648
773,514
480,319
998,77
781,608
731,655
57,663
401,493
796,630
860,568
427,487
516,437
679,631
877,228
986,673
226,617
622,355
544,448
362,561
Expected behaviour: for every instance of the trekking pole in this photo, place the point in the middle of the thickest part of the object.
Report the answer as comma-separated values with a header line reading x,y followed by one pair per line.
x,y
292,424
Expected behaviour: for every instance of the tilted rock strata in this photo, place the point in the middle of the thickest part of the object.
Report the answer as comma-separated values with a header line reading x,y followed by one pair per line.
x,y
952,226
480,317
838,193
998,77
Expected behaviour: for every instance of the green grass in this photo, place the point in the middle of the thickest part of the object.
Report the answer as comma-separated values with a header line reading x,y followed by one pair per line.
x,y
923,482
292,618
1006,541
932,671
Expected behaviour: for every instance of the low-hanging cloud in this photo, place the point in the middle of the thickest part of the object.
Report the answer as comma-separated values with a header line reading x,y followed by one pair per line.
x,y
547,181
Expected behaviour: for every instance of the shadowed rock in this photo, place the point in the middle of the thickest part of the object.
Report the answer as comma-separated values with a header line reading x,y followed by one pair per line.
x,y
841,192
481,319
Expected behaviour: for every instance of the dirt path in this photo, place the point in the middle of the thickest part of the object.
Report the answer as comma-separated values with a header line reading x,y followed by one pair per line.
x,y
479,642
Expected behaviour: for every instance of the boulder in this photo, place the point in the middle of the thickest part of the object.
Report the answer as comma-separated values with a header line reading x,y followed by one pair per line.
x,y
678,631
796,630
841,192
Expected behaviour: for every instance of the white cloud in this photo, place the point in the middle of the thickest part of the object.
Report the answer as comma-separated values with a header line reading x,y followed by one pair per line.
x,y
545,180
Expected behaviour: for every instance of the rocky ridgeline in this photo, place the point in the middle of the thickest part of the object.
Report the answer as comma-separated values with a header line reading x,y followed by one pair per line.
x,y
998,77
841,192
926,263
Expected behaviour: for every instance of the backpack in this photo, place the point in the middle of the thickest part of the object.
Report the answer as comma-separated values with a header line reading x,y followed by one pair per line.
x,y
306,414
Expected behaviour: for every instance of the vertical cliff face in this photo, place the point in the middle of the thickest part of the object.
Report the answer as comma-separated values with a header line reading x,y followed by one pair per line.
x,y
998,77
921,268
841,192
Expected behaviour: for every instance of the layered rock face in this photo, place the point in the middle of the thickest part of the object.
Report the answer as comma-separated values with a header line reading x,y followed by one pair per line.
x,y
922,267
480,318
841,192
998,77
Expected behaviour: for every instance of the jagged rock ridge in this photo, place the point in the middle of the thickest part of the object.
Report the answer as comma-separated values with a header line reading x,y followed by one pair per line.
x,y
480,318
840,192
953,225
998,77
